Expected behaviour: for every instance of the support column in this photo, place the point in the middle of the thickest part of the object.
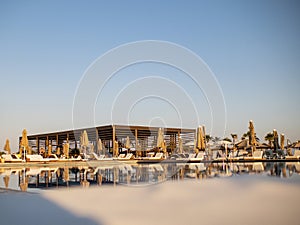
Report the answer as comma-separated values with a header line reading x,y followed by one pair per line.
x,y
57,144
97,138
114,138
38,145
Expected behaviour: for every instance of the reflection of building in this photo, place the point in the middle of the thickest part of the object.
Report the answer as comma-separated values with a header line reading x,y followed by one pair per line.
x,y
146,137
138,174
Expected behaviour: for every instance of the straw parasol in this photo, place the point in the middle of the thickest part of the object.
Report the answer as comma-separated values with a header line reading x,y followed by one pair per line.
x,y
84,141
164,148
180,146
6,181
7,146
116,150
92,147
127,144
160,138
66,149
276,145
252,136
282,141
58,151
99,146
66,174
49,150
200,138
24,141
203,138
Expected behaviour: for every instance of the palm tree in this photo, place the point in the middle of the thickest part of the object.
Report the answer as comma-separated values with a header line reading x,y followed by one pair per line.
x,y
227,139
216,139
248,135
270,138
208,138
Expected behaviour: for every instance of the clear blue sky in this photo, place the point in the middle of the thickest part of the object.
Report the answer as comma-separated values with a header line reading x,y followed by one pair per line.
x,y
45,47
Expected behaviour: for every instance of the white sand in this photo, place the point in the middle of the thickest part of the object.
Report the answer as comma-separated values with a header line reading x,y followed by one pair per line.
x,y
213,201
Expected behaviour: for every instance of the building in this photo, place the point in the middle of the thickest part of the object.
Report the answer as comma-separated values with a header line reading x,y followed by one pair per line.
x,y
145,137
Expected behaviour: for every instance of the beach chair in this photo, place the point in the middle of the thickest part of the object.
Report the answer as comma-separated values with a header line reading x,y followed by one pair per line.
x,y
129,156
192,155
36,158
257,155
121,156
199,157
296,155
269,154
215,155
158,155
11,158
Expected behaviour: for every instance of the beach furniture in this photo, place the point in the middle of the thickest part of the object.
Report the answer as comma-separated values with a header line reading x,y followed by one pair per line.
x,y
126,157
296,155
199,157
11,158
257,155
53,158
101,157
36,158
121,156
158,157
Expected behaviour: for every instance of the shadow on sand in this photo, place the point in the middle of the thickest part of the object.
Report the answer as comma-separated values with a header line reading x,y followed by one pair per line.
x,y
33,209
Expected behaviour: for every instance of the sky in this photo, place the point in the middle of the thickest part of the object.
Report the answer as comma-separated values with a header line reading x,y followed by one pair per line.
x,y
251,49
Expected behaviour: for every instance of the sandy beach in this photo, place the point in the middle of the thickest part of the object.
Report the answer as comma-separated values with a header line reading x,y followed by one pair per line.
x,y
238,200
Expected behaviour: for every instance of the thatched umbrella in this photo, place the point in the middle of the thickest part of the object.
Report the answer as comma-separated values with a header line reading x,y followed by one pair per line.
x,y
6,181
282,141
24,141
127,144
164,148
252,136
7,146
58,151
99,146
66,147
276,144
138,148
180,146
160,138
200,138
92,148
66,174
116,150
84,141
49,150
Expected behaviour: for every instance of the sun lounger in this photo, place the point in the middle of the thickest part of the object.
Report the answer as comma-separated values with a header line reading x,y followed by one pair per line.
x,y
129,156
53,158
296,155
101,157
121,156
257,155
199,157
36,158
192,155
11,158
158,155
157,158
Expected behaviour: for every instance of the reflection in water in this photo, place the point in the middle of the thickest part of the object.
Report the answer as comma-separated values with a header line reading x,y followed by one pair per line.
x,y
137,174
